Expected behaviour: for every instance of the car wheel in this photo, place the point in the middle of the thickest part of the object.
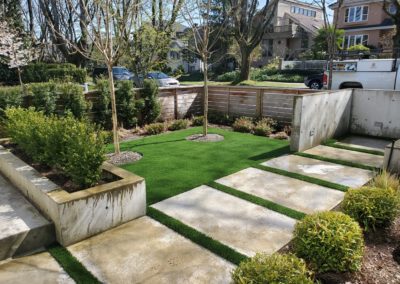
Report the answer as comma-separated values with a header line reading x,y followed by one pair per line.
x,y
315,85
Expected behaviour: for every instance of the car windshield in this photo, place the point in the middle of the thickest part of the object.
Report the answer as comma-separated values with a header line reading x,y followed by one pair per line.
x,y
119,70
158,75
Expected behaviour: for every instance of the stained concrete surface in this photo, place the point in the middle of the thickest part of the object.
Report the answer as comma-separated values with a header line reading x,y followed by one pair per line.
x,y
242,225
362,142
347,155
22,227
144,251
292,193
348,176
35,269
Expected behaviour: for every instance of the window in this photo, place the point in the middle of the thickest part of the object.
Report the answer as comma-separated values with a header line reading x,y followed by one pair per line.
x,y
392,9
351,40
356,14
302,11
268,50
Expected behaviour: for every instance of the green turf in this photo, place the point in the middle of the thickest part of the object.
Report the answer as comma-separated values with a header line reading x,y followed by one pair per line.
x,y
337,161
332,143
172,165
197,237
259,201
303,178
71,265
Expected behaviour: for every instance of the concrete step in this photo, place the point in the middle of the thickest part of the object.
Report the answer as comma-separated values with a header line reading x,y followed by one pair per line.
x,y
22,228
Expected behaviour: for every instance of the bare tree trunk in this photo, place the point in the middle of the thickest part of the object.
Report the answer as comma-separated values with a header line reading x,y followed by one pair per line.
x,y
330,68
245,64
20,78
205,97
113,109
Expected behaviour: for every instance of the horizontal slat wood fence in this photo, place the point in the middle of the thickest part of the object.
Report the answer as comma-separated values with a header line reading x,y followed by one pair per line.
x,y
179,102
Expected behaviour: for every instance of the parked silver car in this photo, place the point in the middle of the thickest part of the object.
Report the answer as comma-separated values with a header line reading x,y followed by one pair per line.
x,y
163,80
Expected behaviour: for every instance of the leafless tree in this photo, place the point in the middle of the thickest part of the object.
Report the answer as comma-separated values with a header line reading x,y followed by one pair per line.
x,y
392,8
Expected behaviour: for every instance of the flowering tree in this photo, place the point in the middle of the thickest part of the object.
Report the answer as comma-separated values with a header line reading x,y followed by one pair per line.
x,y
14,50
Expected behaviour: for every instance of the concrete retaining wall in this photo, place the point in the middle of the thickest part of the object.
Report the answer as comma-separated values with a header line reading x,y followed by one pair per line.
x,y
392,158
318,117
376,113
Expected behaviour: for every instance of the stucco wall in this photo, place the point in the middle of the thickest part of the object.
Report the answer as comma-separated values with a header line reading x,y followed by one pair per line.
x,y
376,113
318,117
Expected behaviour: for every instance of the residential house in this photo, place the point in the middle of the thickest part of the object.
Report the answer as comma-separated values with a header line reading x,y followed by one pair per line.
x,y
295,25
365,22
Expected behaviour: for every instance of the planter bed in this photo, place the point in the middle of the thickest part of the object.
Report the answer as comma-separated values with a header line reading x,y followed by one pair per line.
x,y
84,213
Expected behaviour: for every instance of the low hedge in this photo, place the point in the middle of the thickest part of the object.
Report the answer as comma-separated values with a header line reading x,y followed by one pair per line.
x,y
329,242
275,268
179,124
71,145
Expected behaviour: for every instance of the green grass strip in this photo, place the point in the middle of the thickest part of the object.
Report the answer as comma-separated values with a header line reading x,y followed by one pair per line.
x,y
197,237
71,265
303,178
259,201
337,161
332,143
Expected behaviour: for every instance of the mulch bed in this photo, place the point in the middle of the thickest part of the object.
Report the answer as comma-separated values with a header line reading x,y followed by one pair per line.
x,y
205,138
124,157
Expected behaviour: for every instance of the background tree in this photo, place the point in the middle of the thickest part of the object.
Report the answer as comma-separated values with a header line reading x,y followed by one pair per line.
x,y
204,35
320,42
249,24
392,8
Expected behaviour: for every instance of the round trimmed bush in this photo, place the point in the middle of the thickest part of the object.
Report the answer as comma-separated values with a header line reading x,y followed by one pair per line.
x,y
243,124
179,124
329,242
372,207
276,268
154,128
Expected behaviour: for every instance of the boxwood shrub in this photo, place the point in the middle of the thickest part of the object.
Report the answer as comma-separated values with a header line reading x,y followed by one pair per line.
x,y
372,207
71,145
275,268
329,242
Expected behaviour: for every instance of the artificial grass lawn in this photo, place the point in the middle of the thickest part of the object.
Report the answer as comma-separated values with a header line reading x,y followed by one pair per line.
x,y
172,165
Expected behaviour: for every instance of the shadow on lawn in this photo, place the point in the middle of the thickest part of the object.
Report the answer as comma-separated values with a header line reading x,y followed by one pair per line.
x,y
271,154
128,145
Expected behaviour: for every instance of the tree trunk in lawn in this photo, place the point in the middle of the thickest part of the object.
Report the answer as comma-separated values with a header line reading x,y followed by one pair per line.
x,y
20,78
330,77
113,109
245,66
205,97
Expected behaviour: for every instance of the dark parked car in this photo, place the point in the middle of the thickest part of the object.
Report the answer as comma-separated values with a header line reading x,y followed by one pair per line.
x,y
315,81
119,73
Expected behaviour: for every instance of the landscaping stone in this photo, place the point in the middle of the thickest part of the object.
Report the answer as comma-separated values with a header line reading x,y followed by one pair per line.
x,y
22,228
39,268
144,251
242,225
362,142
207,138
348,176
347,155
290,192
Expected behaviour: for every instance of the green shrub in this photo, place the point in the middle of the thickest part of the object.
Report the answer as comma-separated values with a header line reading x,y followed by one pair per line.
x,y
65,143
102,106
220,118
265,126
275,268
126,106
154,128
63,74
198,120
10,97
72,99
329,241
44,97
243,124
179,124
358,47
228,77
151,107
372,207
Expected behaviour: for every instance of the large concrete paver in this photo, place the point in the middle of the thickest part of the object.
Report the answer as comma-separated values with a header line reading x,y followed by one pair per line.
x,y
348,176
242,225
347,155
290,192
35,269
22,228
367,143
144,251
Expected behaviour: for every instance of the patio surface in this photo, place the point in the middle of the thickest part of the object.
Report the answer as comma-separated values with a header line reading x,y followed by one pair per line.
x,y
290,192
242,225
347,155
344,175
144,251
362,142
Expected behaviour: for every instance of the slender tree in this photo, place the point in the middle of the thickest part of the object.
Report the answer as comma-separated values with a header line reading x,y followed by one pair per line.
x,y
392,8
249,24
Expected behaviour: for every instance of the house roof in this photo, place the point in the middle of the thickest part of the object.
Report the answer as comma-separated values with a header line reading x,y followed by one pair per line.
x,y
353,2
310,24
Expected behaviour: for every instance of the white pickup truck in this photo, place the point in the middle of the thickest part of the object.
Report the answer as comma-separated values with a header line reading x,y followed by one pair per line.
x,y
366,74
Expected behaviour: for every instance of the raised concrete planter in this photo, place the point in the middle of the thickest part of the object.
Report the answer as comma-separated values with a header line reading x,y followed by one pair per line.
x,y
84,213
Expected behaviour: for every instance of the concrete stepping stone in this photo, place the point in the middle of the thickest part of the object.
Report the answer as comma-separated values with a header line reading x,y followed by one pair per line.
x,y
293,193
22,228
347,155
237,223
362,142
144,251
348,176
39,268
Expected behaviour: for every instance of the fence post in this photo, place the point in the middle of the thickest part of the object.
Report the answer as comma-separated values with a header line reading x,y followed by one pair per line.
x,y
229,101
176,114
